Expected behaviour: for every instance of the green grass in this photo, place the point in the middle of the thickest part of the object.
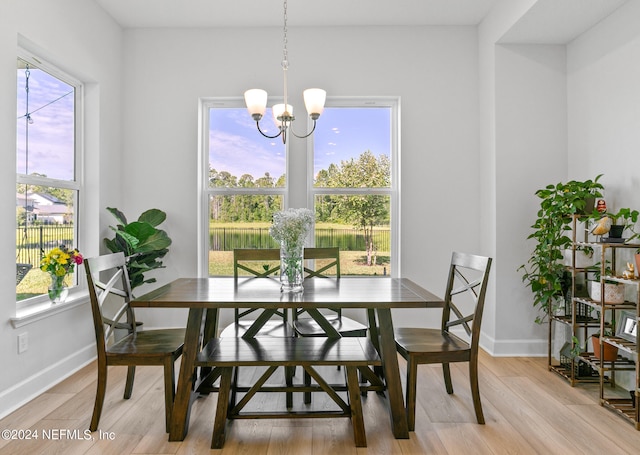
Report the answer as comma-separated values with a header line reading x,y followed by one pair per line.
x,y
36,282
351,263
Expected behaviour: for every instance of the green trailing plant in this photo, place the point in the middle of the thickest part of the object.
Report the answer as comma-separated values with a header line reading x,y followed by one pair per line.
x,y
544,272
143,244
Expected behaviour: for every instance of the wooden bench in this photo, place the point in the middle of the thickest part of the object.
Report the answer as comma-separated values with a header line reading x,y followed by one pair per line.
x,y
225,354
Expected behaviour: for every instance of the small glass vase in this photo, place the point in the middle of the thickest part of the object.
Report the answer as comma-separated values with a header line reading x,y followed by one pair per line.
x,y
291,269
58,291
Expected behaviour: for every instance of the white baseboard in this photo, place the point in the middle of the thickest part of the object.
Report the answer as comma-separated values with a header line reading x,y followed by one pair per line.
x,y
514,348
25,391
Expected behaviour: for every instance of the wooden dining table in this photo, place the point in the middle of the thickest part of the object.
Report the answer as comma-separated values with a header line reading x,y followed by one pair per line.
x,y
206,296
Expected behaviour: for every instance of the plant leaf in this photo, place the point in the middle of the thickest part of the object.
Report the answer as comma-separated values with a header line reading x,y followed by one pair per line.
x,y
119,216
153,216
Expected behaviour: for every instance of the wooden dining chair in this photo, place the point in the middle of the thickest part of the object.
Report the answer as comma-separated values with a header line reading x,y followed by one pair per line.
x,y
326,260
468,276
110,294
259,263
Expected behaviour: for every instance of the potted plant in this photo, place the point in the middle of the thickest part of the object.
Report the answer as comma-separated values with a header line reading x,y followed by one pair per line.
x,y
610,352
583,259
613,292
544,272
624,219
141,242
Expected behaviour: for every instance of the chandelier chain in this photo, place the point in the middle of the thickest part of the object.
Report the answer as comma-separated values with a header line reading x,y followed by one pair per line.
x,y
285,52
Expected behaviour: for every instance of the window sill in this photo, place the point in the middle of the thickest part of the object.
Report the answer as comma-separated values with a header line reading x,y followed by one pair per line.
x,y
39,311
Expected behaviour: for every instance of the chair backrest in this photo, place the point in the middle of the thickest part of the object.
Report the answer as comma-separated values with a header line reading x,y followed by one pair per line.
x,y
468,277
325,260
256,261
110,294
259,262
21,271
328,258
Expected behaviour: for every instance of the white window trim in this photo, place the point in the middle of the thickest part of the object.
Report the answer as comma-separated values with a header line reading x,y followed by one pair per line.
x,y
393,191
36,308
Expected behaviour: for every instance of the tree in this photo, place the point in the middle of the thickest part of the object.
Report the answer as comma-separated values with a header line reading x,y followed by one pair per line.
x,y
364,211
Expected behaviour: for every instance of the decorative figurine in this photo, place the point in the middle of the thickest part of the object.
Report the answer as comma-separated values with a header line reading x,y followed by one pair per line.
x,y
601,206
603,225
630,273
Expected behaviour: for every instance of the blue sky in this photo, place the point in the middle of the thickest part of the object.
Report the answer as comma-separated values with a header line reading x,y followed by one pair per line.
x,y
235,144
341,133
50,139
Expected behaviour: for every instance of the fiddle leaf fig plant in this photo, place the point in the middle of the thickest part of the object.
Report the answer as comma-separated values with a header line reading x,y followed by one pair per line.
x,y
143,244
544,272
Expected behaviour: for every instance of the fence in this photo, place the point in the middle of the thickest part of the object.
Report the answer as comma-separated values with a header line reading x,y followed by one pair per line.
x,y
33,241
226,239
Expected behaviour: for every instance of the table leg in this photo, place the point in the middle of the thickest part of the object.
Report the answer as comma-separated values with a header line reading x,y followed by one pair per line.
x,y
182,402
392,374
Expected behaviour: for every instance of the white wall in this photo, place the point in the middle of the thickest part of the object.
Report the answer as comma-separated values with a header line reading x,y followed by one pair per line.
x,y
531,145
604,105
493,190
82,40
433,69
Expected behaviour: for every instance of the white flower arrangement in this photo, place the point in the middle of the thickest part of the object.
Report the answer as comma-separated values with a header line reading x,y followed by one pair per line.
x,y
291,227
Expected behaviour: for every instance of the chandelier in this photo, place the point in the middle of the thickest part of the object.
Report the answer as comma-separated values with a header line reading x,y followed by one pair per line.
x,y
256,100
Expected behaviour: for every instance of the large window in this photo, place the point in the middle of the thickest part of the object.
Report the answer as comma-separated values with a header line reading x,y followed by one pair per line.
x,y
47,170
351,183
354,196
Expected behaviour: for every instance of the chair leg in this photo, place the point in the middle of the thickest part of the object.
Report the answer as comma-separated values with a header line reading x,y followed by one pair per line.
x,y
412,380
169,390
307,383
234,386
128,388
446,371
288,374
100,393
475,391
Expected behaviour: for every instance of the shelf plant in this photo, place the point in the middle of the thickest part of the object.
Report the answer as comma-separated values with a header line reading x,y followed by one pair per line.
x,y
625,218
544,272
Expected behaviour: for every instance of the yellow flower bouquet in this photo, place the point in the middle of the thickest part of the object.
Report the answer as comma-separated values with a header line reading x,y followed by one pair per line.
x,y
58,263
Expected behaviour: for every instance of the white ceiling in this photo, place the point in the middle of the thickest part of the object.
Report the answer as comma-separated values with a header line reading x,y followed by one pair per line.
x,y
559,22
547,21
255,13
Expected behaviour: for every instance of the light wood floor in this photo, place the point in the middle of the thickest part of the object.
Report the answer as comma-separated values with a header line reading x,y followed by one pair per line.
x,y
528,410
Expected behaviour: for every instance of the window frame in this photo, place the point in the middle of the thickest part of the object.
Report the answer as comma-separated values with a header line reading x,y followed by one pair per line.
x,y
77,184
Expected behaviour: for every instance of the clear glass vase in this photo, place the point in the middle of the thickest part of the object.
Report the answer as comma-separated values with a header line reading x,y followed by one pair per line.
x,y
58,291
291,268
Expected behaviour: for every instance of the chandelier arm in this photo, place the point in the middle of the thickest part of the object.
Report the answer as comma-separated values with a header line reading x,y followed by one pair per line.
x,y
306,135
266,135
